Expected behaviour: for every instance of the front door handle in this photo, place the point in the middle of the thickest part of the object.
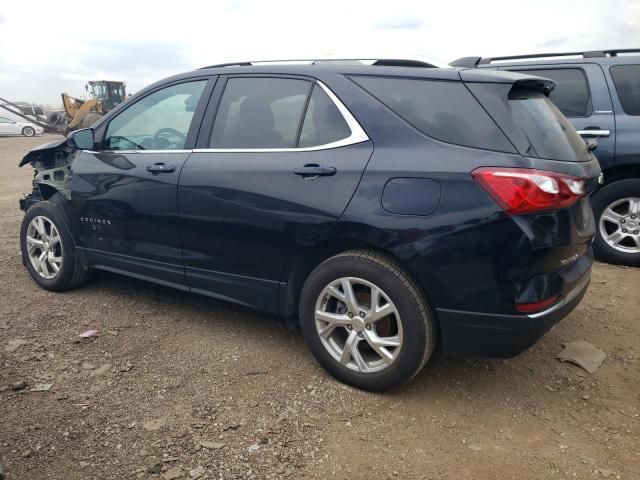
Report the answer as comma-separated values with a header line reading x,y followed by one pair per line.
x,y
160,168
594,132
313,170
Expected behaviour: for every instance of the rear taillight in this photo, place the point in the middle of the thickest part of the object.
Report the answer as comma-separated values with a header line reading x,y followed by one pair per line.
x,y
525,190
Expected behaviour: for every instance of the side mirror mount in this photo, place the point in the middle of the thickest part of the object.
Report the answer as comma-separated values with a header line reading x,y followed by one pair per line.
x,y
81,139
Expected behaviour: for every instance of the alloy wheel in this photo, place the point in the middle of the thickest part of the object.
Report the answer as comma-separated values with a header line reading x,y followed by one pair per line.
x,y
358,325
44,247
620,225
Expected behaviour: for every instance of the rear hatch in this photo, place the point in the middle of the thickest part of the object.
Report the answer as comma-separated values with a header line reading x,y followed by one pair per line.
x,y
548,199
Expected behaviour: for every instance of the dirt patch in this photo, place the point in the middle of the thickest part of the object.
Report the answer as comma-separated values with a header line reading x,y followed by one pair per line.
x,y
180,386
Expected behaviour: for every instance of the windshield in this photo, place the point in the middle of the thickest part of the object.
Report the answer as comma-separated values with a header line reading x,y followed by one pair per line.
x,y
550,134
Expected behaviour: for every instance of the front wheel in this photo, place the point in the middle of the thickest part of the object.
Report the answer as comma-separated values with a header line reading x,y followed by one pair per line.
x,y
366,321
617,210
28,131
48,251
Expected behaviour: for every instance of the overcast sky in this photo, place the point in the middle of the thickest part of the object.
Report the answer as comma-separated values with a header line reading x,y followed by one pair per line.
x,y
47,47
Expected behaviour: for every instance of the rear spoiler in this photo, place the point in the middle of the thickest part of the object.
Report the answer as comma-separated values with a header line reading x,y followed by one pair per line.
x,y
517,79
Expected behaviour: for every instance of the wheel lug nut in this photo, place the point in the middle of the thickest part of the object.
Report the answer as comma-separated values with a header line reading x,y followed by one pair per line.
x,y
368,327
635,232
360,334
350,315
624,230
623,221
349,327
633,216
361,314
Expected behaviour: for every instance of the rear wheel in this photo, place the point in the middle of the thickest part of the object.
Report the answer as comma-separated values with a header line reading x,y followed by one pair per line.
x,y
617,210
48,251
28,131
365,320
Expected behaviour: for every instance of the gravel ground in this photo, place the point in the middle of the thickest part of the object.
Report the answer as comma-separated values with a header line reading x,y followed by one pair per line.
x,y
181,386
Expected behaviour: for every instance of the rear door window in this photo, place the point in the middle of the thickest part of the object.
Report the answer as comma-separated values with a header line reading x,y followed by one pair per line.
x,y
444,110
259,112
323,122
626,79
571,93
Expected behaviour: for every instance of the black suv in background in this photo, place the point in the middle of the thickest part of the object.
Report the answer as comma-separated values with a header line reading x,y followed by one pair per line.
x,y
599,91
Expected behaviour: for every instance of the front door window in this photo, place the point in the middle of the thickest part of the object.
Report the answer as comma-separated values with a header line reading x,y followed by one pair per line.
x,y
159,121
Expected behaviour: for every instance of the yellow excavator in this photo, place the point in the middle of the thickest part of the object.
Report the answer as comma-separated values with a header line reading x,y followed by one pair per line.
x,y
104,95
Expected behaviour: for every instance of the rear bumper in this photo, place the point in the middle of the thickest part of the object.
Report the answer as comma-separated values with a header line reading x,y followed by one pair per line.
x,y
495,335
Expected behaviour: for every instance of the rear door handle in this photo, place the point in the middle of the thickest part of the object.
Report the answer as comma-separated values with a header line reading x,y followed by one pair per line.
x,y
313,170
161,168
594,133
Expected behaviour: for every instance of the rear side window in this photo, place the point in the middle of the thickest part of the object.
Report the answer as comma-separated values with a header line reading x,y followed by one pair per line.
x,y
443,110
323,122
626,78
571,94
260,113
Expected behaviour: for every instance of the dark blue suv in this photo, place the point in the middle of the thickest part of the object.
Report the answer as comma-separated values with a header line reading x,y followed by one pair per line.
x,y
599,91
390,206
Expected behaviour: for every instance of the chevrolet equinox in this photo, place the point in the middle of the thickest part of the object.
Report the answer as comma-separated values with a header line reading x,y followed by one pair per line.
x,y
391,206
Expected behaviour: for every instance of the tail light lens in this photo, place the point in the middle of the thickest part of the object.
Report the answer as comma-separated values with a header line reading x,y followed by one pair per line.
x,y
525,190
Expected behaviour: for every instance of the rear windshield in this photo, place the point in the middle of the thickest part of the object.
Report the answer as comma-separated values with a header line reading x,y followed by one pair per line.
x,y
531,121
550,134
444,110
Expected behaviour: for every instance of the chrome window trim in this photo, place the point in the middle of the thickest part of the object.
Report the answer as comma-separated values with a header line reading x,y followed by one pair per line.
x,y
358,135
140,151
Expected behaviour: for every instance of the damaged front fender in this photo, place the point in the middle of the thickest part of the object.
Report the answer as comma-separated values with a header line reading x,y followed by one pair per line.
x,y
52,164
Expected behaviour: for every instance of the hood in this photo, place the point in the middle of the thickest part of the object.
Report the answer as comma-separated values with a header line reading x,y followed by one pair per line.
x,y
45,150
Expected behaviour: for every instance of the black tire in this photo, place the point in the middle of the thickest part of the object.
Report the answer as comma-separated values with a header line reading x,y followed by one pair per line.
x,y
28,131
417,319
57,118
602,199
72,273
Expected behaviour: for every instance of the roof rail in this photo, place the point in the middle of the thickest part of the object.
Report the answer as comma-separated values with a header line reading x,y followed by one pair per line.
x,y
389,62
466,62
473,62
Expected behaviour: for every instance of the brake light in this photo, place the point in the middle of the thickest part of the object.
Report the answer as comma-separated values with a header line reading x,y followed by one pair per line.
x,y
526,190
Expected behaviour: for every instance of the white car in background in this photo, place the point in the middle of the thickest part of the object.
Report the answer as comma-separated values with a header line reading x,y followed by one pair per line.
x,y
13,127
